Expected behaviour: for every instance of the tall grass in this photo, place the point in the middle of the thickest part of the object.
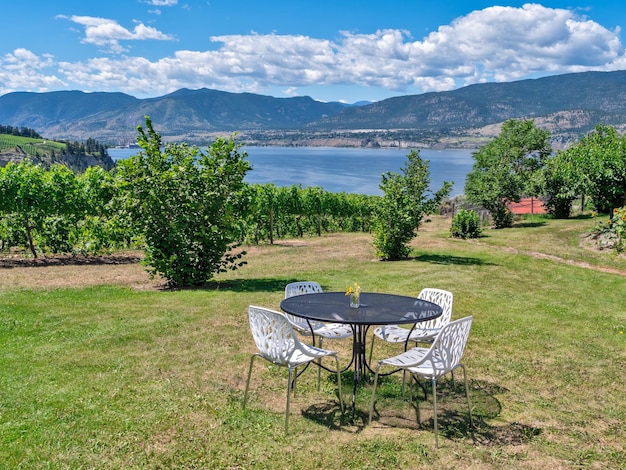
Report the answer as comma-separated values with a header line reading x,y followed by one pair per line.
x,y
113,377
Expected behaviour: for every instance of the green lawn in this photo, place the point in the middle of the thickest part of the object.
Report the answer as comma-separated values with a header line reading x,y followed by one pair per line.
x,y
116,377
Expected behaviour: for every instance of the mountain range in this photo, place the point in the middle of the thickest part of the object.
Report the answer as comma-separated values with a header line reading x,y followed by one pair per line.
x,y
568,105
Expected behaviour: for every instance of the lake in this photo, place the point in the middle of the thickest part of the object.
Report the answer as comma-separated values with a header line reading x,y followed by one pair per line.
x,y
350,170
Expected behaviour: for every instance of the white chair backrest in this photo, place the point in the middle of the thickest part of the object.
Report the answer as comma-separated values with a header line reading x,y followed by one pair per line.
x,y
272,333
299,288
444,299
447,348
303,287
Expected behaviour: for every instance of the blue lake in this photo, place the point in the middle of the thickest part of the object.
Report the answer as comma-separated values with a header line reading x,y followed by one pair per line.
x,y
344,169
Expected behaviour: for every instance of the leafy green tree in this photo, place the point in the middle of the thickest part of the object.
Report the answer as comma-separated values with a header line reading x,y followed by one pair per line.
x,y
562,184
63,211
313,201
24,199
295,208
186,204
101,227
599,159
404,204
506,169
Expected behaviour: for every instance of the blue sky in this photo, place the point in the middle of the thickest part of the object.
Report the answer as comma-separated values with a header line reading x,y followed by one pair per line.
x,y
339,50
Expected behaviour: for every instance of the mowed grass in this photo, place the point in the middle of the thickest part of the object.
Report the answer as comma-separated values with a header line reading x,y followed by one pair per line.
x,y
111,376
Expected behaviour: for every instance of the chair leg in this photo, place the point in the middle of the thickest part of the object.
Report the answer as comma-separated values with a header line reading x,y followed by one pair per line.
x,y
319,366
373,395
404,382
469,408
245,395
435,410
288,401
417,406
413,379
339,382
372,348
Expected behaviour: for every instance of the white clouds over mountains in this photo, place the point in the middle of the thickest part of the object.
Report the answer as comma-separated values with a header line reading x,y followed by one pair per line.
x,y
108,34
493,44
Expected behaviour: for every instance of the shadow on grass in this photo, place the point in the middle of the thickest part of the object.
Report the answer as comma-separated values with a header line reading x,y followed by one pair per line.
x,y
452,418
249,285
327,414
450,259
529,224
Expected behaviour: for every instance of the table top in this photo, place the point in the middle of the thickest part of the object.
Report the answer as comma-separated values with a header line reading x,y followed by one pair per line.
x,y
374,309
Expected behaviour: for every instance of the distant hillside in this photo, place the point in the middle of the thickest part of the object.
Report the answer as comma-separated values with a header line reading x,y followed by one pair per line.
x,y
113,117
76,156
568,105
571,104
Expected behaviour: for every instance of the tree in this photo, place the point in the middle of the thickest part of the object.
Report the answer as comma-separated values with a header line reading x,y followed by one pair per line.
x,y
24,199
186,205
63,213
506,168
100,227
562,184
404,204
600,160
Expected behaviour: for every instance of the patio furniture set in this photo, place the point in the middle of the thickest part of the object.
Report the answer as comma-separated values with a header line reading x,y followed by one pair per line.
x,y
425,321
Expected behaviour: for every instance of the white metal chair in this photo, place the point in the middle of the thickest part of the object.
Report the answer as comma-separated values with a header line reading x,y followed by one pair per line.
x,y
320,329
277,343
424,332
443,356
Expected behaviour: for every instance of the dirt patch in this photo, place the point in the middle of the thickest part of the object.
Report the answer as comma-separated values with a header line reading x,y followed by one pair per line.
x,y
75,271
61,260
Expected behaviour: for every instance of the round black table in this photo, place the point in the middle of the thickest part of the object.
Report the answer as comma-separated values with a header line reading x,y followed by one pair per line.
x,y
374,309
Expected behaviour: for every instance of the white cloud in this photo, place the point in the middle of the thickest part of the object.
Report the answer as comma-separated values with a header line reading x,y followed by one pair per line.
x,y
107,33
494,44
23,70
506,43
162,3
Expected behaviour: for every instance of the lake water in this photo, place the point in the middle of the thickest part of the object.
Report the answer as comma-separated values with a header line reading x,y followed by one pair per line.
x,y
350,170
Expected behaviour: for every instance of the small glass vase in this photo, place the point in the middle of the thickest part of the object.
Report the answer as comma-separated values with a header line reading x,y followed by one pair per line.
x,y
354,300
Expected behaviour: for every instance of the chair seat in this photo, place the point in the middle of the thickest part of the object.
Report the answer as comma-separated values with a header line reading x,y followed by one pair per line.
x,y
307,354
399,334
334,331
433,367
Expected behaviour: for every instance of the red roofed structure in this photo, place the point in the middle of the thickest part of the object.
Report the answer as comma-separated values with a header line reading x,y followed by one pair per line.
x,y
528,205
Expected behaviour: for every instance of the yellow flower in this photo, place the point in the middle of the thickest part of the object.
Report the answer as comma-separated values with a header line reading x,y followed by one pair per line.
x,y
354,289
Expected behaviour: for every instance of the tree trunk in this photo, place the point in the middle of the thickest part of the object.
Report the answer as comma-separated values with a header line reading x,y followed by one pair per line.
x,y
31,244
271,227
300,232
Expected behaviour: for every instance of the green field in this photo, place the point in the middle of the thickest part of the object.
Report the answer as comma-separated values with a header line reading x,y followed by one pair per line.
x,y
115,376
29,145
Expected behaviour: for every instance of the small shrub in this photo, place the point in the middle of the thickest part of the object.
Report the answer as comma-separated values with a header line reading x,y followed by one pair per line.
x,y
612,233
466,224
